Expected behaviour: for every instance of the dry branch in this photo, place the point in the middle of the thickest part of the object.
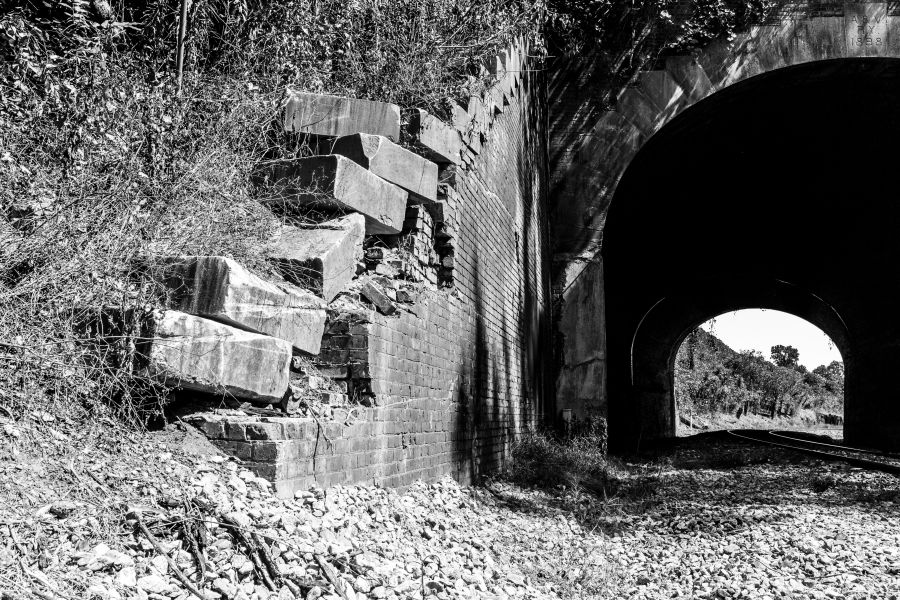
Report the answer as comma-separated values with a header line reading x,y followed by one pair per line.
x,y
156,545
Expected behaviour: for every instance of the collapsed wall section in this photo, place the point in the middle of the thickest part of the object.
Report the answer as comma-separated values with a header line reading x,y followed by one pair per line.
x,y
446,377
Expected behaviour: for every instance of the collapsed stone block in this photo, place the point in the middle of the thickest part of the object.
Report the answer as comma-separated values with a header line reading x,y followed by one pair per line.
x,y
377,296
219,288
322,259
391,162
690,76
321,114
438,141
207,356
335,182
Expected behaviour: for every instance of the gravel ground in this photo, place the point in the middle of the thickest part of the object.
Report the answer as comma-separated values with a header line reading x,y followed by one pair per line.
x,y
707,519
770,526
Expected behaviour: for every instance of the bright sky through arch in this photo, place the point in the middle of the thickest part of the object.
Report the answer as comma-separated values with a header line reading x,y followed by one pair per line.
x,y
757,329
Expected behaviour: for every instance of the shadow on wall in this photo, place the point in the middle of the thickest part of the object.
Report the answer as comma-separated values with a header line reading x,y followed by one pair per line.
x,y
504,387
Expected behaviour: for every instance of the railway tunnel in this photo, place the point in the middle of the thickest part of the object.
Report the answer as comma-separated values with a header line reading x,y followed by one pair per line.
x,y
776,192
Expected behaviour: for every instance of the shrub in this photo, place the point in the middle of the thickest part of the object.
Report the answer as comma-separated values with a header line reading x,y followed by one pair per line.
x,y
543,459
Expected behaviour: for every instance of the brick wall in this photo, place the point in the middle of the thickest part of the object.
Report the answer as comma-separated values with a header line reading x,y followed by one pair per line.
x,y
450,380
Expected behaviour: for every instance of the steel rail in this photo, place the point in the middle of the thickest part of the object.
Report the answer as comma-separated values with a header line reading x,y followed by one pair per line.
x,y
872,465
837,446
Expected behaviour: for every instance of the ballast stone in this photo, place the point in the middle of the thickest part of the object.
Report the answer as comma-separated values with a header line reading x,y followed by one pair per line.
x,y
335,182
219,288
391,162
322,259
325,115
437,140
207,356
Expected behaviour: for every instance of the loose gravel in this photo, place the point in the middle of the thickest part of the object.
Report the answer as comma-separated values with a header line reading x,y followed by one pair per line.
x,y
706,520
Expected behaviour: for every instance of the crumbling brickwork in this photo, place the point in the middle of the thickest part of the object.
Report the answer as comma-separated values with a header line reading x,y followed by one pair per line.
x,y
447,381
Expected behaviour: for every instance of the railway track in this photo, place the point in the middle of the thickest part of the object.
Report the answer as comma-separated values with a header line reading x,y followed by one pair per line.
x,y
873,460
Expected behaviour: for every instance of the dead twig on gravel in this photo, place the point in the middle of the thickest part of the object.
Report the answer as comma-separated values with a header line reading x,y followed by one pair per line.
x,y
178,572
332,576
252,550
39,577
15,540
266,557
191,530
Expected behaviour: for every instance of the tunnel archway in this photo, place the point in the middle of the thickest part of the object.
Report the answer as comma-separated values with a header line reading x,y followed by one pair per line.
x,y
662,330
775,192
727,375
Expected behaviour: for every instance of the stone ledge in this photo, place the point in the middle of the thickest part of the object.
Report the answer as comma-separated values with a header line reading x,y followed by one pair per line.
x,y
325,115
336,183
210,357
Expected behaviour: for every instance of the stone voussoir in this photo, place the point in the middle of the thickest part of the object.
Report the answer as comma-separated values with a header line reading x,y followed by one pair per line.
x,y
200,354
334,116
335,182
393,163
322,259
219,288
437,140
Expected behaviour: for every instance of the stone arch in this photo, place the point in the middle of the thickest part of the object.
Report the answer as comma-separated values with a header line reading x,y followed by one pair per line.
x,y
818,46
650,409
657,96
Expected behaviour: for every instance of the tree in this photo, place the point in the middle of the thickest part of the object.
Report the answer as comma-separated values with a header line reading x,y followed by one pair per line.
x,y
833,374
785,356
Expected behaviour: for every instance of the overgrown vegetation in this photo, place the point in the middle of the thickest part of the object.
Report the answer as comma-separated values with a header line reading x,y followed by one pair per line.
x,y
107,160
104,165
711,379
577,26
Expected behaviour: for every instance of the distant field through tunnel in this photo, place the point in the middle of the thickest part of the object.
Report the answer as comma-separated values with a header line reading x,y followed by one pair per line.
x,y
758,369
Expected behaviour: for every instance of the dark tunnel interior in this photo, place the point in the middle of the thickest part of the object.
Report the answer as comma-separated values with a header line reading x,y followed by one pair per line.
x,y
776,192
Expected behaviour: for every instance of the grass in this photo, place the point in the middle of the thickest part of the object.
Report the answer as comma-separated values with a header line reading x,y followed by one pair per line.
x,y
105,166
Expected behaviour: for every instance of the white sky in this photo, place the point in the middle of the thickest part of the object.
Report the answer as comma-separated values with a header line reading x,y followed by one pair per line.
x,y
757,329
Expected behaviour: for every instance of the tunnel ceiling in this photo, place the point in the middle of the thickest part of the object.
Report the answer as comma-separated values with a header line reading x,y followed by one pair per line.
x,y
789,175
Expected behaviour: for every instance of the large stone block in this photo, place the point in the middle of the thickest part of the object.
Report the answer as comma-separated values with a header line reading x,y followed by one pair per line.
x,y
335,182
322,259
207,356
438,141
391,162
688,73
219,288
320,114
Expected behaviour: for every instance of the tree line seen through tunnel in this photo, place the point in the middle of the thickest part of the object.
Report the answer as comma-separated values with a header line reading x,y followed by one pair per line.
x,y
713,381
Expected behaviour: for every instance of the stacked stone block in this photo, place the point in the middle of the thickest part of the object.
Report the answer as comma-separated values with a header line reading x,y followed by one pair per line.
x,y
200,354
321,258
446,382
218,288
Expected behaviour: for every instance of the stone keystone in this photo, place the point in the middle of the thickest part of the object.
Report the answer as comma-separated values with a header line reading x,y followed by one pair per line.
x,y
203,355
391,162
218,288
439,142
320,114
321,259
336,182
